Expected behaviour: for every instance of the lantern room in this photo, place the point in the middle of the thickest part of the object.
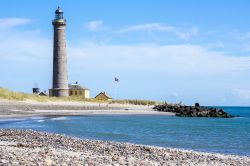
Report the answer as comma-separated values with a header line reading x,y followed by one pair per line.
x,y
58,14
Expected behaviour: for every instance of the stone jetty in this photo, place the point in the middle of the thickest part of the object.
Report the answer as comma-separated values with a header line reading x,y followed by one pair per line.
x,y
27,147
193,111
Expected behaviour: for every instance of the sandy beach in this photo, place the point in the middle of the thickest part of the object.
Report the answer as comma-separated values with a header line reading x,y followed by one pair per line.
x,y
19,109
27,147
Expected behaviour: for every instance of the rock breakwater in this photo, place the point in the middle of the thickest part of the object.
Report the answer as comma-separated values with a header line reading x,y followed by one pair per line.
x,y
193,111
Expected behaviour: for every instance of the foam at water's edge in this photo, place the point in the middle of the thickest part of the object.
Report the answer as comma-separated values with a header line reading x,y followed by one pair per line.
x,y
59,118
36,118
13,119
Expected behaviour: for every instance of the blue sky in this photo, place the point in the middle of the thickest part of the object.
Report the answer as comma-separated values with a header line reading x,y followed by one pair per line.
x,y
189,51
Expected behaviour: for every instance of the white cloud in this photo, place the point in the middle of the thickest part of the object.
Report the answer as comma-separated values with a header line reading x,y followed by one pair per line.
x,y
187,34
241,35
148,27
216,44
177,59
94,25
241,93
173,95
24,46
13,22
183,33
192,71
25,56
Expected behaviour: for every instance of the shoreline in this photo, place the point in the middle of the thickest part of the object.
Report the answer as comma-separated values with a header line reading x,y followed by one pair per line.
x,y
47,113
21,116
27,146
22,109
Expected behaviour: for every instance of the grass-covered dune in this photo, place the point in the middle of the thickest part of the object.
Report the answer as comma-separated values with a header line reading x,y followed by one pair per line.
x,y
18,96
136,102
11,95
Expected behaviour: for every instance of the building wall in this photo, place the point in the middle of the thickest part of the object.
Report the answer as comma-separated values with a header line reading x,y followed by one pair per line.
x,y
50,92
87,94
79,92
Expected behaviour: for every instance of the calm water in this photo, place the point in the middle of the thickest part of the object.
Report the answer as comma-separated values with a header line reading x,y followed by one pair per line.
x,y
230,136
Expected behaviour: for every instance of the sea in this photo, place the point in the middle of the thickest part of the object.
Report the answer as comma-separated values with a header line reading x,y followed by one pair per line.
x,y
218,135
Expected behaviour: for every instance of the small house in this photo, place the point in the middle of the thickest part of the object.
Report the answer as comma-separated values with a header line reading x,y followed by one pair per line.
x,y
78,90
103,96
43,93
36,91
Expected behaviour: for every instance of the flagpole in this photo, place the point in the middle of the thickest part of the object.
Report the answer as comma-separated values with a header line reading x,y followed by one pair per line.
x,y
115,90
116,81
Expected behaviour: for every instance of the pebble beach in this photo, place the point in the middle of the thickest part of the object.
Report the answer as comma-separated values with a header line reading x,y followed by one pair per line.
x,y
28,147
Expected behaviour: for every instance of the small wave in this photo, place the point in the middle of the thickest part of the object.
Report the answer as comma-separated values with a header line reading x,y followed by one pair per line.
x,y
41,120
112,134
59,118
13,119
36,118
239,117
9,121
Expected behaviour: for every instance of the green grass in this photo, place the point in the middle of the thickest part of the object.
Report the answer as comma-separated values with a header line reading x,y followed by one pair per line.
x,y
136,102
11,95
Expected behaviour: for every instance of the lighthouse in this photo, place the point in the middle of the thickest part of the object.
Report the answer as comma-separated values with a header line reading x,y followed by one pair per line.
x,y
60,73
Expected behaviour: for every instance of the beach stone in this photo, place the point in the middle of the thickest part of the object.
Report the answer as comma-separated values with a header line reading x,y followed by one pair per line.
x,y
48,161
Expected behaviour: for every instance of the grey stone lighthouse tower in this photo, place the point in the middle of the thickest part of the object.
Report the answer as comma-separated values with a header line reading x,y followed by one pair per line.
x,y
60,73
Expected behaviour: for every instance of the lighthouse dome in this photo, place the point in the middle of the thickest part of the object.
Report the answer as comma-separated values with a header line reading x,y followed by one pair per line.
x,y
59,16
59,10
